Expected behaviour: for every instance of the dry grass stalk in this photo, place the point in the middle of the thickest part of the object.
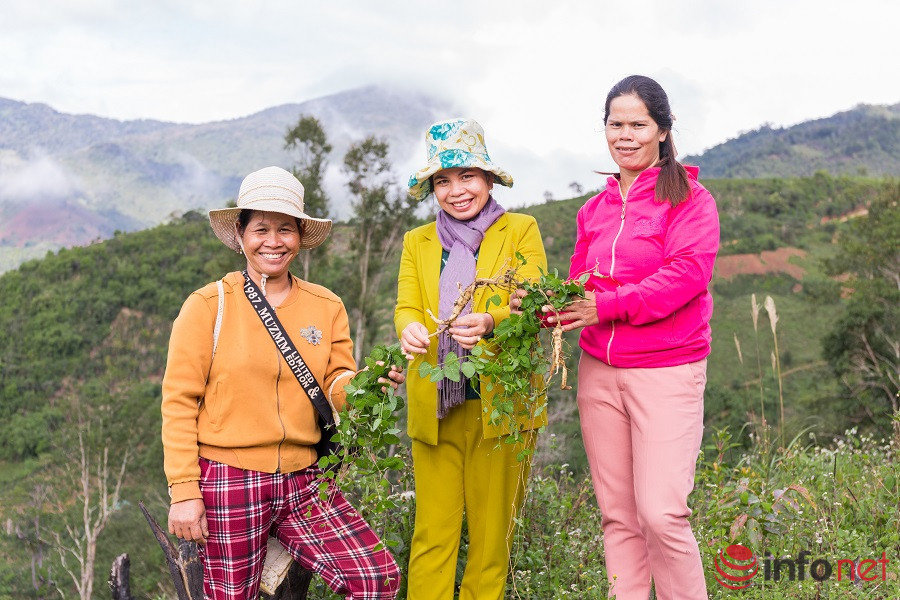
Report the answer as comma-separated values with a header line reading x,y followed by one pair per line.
x,y
754,314
776,358
754,311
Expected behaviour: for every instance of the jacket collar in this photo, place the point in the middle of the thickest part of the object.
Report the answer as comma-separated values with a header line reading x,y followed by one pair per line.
x,y
488,263
646,178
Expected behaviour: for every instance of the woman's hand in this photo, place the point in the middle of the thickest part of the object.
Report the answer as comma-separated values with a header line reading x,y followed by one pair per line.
x,y
414,340
580,313
187,520
515,301
395,377
469,329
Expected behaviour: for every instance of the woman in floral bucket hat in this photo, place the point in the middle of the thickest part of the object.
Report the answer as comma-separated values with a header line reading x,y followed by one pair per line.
x,y
239,428
460,464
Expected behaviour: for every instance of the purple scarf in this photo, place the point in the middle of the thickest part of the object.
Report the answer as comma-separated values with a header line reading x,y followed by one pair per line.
x,y
462,240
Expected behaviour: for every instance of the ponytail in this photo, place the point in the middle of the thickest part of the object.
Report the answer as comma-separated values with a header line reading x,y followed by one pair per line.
x,y
672,185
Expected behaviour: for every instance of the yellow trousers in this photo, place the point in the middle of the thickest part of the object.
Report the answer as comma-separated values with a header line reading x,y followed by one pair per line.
x,y
464,473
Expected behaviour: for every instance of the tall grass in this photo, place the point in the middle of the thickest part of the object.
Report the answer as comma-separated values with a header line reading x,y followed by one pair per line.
x,y
834,499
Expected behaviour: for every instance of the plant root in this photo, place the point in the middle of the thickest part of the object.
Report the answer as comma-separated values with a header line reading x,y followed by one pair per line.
x,y
504,279
557,360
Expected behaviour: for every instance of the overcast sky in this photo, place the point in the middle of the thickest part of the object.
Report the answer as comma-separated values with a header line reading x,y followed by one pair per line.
x,y
534,73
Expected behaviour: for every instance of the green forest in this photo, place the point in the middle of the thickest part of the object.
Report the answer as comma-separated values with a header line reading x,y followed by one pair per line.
x,y
802,423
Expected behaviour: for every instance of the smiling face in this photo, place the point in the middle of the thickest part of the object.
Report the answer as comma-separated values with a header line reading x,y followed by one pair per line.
x,y
632,135
271,241
462,192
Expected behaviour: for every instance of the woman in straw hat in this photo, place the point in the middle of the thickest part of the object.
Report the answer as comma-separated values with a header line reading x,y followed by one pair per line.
x,y
461,465
239,428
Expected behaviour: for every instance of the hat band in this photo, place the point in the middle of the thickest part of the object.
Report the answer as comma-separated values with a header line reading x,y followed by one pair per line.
x,y
269,205
293,192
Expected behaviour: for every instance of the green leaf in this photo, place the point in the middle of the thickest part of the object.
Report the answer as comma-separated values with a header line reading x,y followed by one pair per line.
x,y
451,372
425,370
468,369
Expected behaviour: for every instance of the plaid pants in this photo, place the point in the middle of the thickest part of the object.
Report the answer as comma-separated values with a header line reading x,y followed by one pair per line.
x,y
329,538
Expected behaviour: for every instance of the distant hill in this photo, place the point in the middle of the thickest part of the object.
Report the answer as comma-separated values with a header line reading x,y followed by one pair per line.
x,y
68,180
71,179
862,141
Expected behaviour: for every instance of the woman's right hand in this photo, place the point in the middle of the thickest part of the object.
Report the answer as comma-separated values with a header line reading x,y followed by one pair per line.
x,y
580,313
414,340
187,520
515,301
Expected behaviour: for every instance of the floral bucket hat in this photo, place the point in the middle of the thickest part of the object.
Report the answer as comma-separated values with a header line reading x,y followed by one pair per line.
x,y
454,143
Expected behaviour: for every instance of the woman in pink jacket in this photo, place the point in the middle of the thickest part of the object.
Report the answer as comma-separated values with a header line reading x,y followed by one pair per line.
x,y
649,241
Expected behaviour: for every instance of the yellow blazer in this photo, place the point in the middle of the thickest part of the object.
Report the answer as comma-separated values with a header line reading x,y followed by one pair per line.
x,y
417,289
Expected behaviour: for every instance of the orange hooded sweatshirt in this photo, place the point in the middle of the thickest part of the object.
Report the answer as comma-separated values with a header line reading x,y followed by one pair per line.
x,y
244,407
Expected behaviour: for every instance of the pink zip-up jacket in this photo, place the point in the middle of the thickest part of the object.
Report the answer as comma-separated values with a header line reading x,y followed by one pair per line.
x,y
651,266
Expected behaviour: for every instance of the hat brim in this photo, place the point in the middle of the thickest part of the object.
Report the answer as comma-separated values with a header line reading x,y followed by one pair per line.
x,y
420,182
222,221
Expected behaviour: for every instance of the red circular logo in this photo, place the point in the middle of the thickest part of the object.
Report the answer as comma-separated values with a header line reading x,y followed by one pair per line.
x,y
736,567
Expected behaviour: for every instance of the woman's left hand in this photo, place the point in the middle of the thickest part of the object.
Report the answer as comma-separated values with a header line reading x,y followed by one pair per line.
x,y
468,329
394,379
515,301
580,313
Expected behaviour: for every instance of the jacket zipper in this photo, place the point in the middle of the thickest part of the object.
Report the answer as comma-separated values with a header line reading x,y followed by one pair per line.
x,y
612,269
278,412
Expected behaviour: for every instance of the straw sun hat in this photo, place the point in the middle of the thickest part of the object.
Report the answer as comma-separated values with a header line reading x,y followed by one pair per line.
x,y
271,190
454,143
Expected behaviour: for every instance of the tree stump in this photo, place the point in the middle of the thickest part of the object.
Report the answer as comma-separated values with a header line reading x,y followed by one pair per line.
x,y
184,566
284,578
295,585
119,584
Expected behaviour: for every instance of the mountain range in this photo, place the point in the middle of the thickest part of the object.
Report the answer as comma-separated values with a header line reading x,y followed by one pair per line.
x,y
72,179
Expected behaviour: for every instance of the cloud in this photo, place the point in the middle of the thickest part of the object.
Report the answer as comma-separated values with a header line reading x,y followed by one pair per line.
x,y
535,73
38,180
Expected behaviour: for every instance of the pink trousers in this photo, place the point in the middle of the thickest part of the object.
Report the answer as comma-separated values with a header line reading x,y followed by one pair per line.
x,y
642,430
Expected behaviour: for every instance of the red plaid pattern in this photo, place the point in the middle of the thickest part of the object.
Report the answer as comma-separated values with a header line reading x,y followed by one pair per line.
x,y
329,538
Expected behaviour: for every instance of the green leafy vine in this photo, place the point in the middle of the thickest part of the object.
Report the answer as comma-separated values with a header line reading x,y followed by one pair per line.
x,y
368,427
369,436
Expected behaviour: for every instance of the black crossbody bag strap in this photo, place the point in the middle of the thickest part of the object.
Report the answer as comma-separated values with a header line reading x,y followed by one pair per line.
x,y
284,344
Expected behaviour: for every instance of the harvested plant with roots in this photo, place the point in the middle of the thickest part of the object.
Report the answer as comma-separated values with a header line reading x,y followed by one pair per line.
x,y
515,363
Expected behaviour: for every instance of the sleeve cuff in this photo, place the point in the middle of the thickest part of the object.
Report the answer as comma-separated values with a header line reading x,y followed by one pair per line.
x,y
330,396
187,490
607,306
499,314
